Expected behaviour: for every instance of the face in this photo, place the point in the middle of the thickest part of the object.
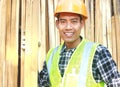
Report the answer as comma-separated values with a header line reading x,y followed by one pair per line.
x,y
69,26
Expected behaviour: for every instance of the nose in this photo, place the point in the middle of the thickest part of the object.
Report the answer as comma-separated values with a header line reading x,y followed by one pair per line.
x,y
68,25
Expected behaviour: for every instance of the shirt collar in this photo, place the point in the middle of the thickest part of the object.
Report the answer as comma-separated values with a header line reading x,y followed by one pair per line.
x,y
64,47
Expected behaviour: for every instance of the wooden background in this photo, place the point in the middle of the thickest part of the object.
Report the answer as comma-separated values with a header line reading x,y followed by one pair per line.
x,y
27,31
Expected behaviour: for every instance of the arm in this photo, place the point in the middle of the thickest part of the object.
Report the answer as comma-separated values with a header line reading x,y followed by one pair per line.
x,y
43,77
106,68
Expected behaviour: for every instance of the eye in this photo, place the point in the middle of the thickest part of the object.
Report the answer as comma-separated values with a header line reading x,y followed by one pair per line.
x,y
62,21
74,21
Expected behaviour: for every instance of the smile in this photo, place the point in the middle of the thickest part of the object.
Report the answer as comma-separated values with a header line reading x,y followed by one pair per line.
x,y
68,34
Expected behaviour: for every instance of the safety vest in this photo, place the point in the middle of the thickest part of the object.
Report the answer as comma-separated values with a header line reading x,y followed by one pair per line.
x,y
78,72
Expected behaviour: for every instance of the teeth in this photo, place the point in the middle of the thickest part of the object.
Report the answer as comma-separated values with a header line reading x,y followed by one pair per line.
x,y
68,34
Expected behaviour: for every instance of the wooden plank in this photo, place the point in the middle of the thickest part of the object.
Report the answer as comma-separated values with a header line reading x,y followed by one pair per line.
x,y
12,43
40,36
23,25
35,29
89,28
113,42
104,22
31,54
43,34
83,29
118,40
46,24
8,56
118,33
51,24
57,35
108,26
17,12
2,39
98,22
28,49
117,21
116,4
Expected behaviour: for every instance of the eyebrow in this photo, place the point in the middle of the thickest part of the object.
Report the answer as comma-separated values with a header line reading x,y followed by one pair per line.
x,y
60,19
75,19
70,19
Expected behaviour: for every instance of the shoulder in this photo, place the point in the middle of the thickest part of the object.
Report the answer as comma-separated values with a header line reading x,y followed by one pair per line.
x,y
102,55
52,51
101,48
102,51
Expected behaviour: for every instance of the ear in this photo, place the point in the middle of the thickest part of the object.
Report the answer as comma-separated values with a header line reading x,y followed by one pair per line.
x,y
57,24
82,23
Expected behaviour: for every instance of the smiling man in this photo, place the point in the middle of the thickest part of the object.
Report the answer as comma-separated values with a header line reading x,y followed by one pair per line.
x,y
77,62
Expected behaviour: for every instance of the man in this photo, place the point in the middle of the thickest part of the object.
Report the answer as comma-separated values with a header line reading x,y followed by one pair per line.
x,y
77,62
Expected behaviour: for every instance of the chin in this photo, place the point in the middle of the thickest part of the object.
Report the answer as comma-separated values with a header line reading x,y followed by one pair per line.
x,y
68,40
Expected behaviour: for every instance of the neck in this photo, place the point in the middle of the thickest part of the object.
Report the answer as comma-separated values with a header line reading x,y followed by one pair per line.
x,y
74,44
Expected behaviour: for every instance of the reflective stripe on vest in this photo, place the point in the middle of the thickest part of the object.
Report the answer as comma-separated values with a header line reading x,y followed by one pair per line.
x,y
84,64
50,60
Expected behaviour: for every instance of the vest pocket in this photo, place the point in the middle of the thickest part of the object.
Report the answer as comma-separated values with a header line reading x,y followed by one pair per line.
x,y
72,80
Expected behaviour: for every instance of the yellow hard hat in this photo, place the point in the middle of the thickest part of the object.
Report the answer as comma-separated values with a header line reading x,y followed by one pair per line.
x,y
71,6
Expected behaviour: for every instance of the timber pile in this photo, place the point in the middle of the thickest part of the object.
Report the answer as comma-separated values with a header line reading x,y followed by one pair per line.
x,y
27,32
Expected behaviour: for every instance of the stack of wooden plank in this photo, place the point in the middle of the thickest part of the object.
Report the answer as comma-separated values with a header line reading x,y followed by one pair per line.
x,y
28,31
